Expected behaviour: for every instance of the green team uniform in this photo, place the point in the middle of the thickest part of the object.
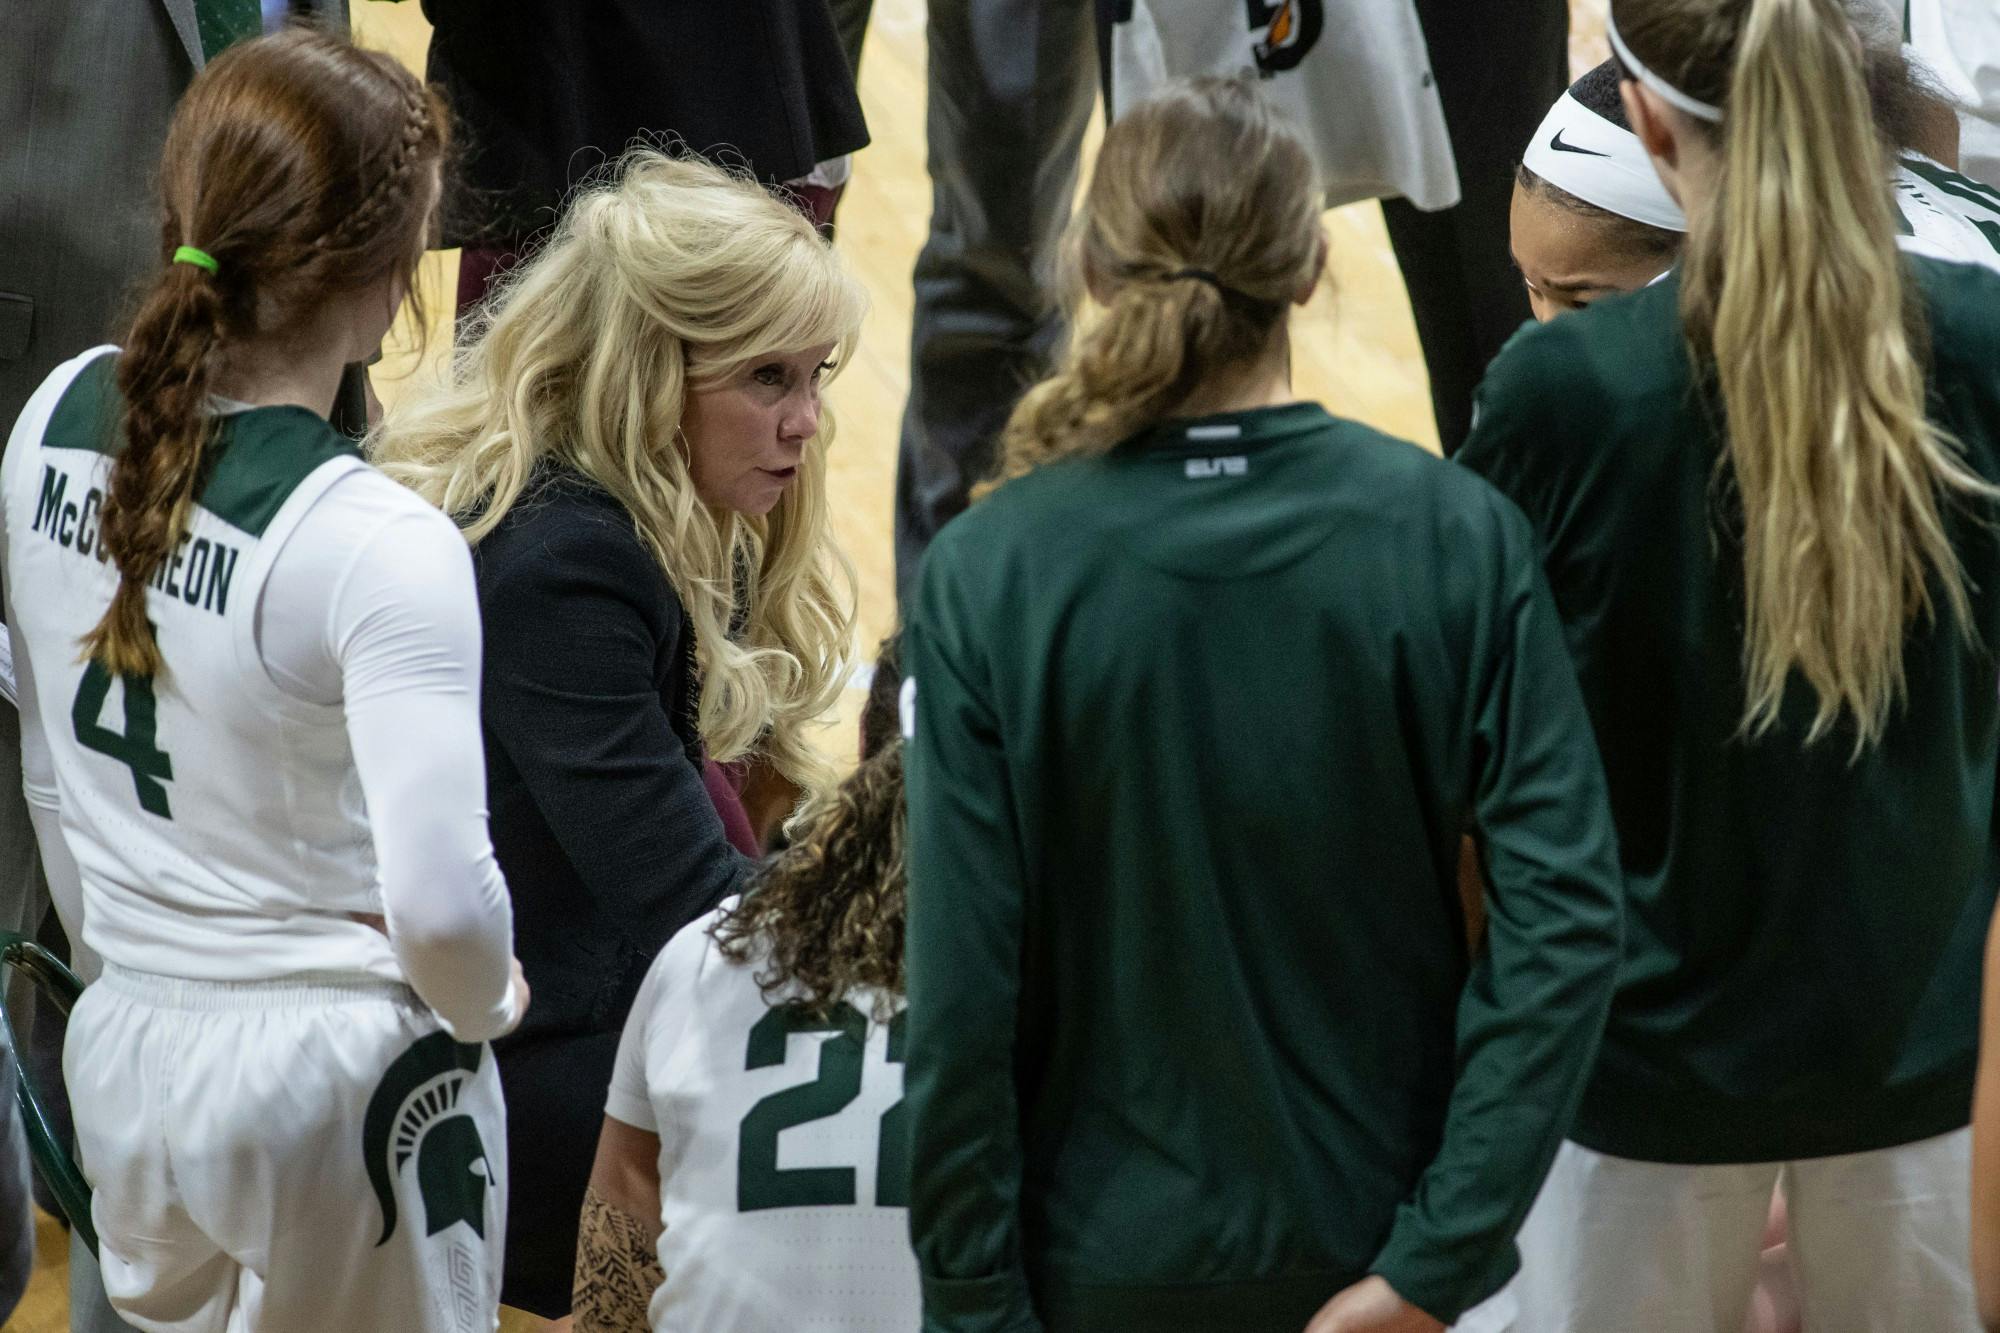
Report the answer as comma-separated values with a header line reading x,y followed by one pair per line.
x,y
1951,216
1194,1039
1804,928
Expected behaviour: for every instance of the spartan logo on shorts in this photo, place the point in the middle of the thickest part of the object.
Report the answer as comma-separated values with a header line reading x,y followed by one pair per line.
x,y
413,1113
1290,27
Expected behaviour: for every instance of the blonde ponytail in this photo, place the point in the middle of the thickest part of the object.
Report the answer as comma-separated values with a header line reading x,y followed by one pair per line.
x,y
1794,290
1200,227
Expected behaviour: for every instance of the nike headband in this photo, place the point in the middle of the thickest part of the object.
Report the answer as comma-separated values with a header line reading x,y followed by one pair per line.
x,y
1583,154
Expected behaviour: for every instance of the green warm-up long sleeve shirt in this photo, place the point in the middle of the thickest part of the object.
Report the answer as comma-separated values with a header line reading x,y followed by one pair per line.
x,y
1195,1039
1805,922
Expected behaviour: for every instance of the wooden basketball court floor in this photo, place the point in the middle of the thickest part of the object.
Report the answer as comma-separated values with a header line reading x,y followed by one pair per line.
x,y
1354,349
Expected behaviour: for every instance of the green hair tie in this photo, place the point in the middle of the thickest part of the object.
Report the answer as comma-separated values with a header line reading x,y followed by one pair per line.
x,y
187,254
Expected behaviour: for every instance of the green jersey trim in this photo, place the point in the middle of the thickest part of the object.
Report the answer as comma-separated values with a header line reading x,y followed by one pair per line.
x,y
1963,189
256,458
1952,183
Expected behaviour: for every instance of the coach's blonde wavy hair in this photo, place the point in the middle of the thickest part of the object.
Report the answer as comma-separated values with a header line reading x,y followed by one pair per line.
x,y
1793,289
671,276
1200,228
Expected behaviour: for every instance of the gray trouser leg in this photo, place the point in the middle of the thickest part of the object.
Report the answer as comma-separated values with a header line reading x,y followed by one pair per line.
x,y
24,909
1011,85
17,1219
23,899
24,894
24,902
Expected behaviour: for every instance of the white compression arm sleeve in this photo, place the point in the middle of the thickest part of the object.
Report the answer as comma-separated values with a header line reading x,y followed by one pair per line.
x,y
372,603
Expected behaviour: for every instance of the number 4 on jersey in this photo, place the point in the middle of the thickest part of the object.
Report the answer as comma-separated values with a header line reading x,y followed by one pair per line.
x,y
134,747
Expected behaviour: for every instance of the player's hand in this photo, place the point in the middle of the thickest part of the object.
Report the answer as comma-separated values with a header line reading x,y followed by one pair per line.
x,y
519,981
1371,1306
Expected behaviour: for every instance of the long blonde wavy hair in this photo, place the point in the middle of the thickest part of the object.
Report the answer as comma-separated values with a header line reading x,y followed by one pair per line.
x,y
670,276
1794,291
1200,228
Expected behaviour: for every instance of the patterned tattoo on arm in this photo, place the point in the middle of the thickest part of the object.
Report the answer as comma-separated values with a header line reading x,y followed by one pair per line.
x,y
617,1269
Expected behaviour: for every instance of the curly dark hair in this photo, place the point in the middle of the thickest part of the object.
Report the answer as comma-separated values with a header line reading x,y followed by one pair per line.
x,y
829,908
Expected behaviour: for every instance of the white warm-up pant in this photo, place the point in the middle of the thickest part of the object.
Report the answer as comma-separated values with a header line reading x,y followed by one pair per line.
x,y
1879,1243
288,1156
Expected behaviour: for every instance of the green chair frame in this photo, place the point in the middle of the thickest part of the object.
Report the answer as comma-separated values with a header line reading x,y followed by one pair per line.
x,y
53,1163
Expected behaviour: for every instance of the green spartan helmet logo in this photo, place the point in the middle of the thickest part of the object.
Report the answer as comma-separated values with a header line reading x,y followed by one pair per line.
x,y
413,1112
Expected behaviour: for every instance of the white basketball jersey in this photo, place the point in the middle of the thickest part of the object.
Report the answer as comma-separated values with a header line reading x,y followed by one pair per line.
x,y
216,822
784,1148
1960,41
1957,217
1354,75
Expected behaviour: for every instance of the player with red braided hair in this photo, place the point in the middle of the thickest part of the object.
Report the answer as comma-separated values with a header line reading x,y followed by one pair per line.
x,y
248,667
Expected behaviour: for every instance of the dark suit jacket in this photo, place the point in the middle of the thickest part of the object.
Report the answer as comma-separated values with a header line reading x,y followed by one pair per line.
x,y
547,91
600,818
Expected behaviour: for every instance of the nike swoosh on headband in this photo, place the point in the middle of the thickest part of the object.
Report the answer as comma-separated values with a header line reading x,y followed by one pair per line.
x,y
1616,175
1561,147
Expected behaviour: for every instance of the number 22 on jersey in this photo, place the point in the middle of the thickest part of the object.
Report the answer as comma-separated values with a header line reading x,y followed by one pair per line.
x,y
134,747
760,1182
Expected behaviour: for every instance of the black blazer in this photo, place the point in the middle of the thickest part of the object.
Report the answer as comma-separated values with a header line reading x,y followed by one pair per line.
x,y
546,91
607,836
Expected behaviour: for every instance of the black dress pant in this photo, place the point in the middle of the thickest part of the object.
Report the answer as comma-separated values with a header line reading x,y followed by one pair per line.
x,y
1499,65
555,1088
